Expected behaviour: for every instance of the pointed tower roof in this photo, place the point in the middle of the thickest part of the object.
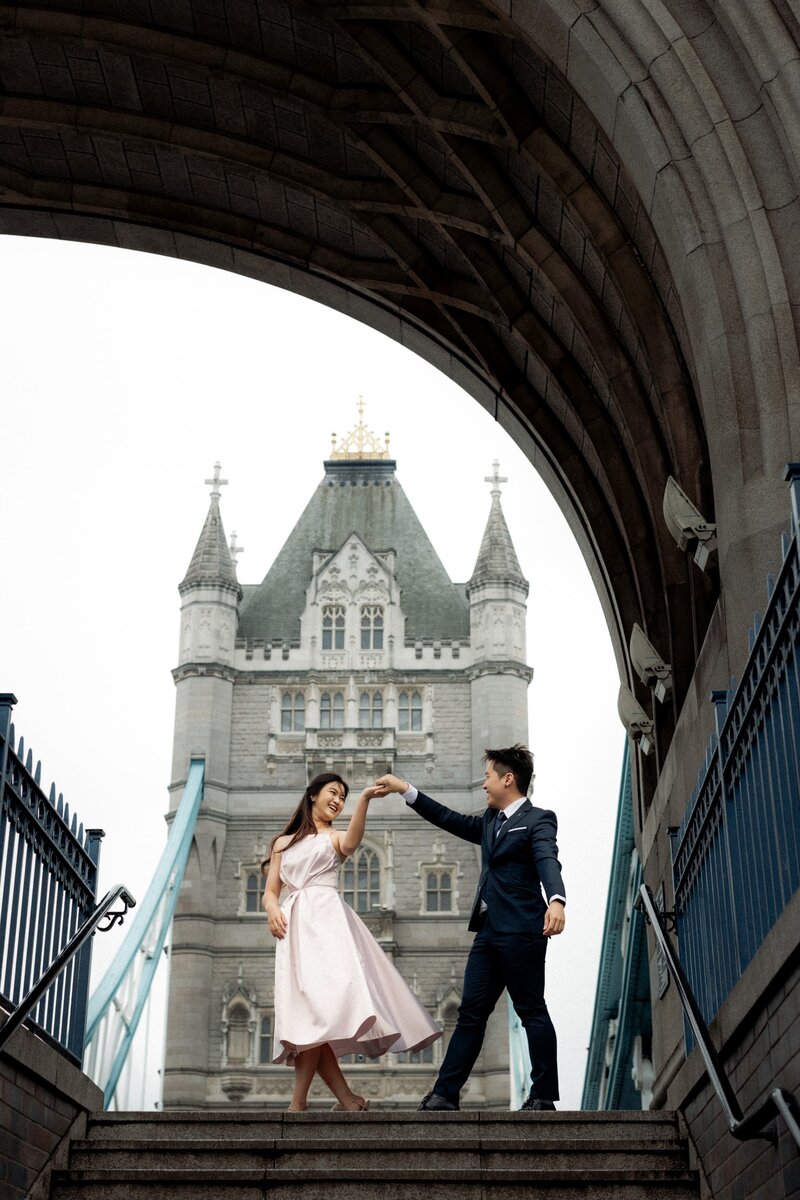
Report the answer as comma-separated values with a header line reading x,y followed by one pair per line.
x,y
212,562
359,494
497,560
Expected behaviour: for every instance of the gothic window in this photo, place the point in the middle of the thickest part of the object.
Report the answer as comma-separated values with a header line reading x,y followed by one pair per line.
x,y
333,627
370,710
331,710
252,893
438,890
448,1024
416,1056
409,711
371,627
293,712
238,1036
265,1040
361,880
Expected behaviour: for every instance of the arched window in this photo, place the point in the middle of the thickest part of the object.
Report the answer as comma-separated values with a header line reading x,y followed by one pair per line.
x,y
333,627
371,627
361,881
252,893
331,710
409,711
293,712
370,710
265,1040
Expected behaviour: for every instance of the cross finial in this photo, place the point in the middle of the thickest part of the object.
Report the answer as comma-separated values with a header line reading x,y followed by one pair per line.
x,y
234,549
215,482
496,478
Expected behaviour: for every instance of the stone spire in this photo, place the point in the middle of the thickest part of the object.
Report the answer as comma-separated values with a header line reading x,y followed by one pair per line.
x,y
497,559
212,563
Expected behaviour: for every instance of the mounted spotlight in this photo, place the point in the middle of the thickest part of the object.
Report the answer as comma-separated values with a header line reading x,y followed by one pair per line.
x,y
688,525
649,665
635,719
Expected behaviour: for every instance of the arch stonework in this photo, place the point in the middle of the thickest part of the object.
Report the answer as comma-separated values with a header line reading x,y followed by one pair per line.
x,y
584,211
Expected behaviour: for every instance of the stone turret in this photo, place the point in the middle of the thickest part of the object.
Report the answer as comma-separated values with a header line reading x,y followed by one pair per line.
x,y
204,680
497,594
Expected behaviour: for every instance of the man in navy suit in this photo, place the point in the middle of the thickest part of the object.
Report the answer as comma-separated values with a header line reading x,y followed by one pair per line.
x,y
509,917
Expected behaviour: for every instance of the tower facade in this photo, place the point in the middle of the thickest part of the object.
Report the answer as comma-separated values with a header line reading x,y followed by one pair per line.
x,y
356,653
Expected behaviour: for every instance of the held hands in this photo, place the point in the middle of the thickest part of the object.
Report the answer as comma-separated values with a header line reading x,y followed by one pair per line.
x,y
369,793
388,784
554,920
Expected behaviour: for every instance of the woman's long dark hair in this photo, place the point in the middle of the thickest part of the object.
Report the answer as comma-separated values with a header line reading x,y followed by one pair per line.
x,y
301,822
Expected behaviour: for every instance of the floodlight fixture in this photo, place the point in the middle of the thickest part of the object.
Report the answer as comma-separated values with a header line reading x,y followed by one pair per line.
x,y
688,526
635,719
649,665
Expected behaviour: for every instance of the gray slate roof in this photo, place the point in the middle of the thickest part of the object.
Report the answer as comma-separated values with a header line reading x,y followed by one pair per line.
x,y
362,497
497,559
211,562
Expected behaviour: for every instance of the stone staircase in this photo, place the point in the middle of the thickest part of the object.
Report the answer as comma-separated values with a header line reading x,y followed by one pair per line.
x,y
386,1155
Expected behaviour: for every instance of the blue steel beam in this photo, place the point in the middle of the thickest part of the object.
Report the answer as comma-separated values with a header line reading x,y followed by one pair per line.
x,y
149,927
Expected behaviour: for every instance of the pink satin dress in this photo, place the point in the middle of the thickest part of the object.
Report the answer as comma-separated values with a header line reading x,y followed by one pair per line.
x,y
333,983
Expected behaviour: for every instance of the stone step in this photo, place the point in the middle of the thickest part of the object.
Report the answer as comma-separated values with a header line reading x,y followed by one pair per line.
x,y
345,1153
390,1155
369,1185
489,1126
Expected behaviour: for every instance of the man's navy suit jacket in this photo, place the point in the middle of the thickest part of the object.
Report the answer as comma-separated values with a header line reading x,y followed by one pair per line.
x,y
517,862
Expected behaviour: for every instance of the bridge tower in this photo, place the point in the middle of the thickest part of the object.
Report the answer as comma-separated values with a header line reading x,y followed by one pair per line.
x,y
204,677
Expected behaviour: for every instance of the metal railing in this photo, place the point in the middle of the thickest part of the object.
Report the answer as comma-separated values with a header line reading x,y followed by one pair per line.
x,y
779,1101
48,889
103,911
736,854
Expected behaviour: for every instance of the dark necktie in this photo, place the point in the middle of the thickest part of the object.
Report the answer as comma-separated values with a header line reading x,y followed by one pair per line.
x,y
499,823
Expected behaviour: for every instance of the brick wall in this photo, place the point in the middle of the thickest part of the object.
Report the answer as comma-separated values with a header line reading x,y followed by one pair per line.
x,y
758,1033
43,1097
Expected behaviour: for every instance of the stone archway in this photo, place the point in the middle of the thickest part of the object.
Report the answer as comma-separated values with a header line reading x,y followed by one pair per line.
x,y
584,211
586,218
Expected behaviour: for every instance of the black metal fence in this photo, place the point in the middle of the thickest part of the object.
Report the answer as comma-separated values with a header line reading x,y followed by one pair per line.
x,y
48,885
736,855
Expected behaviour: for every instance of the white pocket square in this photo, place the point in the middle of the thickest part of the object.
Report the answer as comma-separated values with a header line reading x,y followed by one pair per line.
x,y
519,829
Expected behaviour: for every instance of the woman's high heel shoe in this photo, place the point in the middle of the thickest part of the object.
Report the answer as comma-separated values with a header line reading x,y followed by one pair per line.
x,y
362,1106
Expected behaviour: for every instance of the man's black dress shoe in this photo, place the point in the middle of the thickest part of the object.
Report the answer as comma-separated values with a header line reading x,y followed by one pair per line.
x,y
433,1102
534,1105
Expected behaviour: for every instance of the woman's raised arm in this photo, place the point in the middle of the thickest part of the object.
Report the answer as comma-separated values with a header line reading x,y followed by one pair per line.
x,y
349,841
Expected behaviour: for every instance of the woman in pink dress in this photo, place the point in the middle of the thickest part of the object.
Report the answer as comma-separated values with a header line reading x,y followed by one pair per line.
x,y
336,992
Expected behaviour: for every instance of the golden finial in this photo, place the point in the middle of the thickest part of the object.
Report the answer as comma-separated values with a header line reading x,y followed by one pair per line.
x,y
360,443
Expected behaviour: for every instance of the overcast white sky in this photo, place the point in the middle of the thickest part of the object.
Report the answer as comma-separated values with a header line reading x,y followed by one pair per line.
x,y
124,378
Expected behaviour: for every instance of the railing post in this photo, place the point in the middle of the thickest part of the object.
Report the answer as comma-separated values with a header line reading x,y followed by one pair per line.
x,y
792,477
83,960
7,702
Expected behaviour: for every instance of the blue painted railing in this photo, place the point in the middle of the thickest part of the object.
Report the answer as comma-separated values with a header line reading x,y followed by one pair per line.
x,y
119,1000
736,854
48,887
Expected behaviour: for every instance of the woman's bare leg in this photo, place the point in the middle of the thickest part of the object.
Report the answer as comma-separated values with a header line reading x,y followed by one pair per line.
x,y
304,1067
330,1073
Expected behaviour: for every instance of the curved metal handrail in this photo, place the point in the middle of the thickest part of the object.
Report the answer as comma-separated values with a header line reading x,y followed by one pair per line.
x,y
103,912
779,1102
